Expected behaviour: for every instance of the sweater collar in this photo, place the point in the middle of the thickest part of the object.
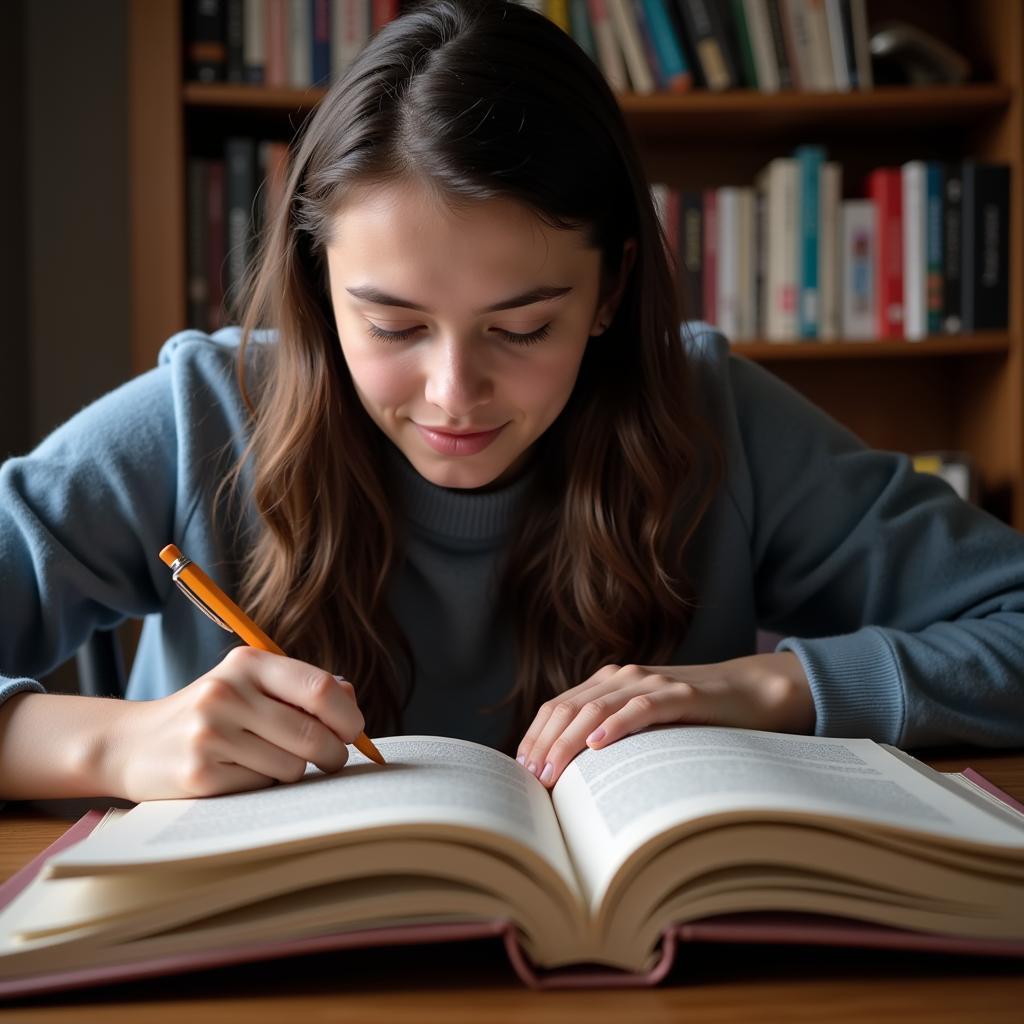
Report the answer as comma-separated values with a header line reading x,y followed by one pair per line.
x,y
454,512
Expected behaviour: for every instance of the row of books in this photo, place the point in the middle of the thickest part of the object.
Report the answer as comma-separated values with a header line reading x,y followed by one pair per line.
x,y
924,251
291,43
641,46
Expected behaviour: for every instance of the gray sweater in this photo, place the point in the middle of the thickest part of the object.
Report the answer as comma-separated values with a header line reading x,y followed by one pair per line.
x,y
904,604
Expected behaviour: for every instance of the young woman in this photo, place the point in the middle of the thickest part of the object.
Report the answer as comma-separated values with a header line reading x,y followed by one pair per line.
x,y
458,453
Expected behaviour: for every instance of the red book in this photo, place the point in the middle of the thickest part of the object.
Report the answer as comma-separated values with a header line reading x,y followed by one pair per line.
x,y
275,27
710,255
885,190
383,12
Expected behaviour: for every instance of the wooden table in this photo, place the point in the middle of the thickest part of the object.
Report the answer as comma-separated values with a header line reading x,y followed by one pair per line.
x,y
473,983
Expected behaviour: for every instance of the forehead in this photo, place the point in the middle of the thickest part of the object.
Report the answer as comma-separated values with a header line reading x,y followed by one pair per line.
x,y
381,227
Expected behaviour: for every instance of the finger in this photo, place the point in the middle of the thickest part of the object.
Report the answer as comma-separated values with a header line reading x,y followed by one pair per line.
x,y
572,719
233,761
531,737
304,686
666,701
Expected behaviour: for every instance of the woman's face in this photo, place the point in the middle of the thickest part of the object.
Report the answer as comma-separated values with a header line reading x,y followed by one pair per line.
x,y
463,330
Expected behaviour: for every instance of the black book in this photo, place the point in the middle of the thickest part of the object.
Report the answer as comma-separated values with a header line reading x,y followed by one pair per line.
x,y
985,281
779,43
952,245
234,34
706,31
205,48
240,191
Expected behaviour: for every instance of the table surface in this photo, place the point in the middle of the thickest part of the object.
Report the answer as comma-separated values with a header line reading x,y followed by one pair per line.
x,y
472,982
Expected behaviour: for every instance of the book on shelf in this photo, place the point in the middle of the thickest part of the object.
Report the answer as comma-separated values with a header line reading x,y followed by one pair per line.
x,y
857,269
670,833
641,46
985,245
956,468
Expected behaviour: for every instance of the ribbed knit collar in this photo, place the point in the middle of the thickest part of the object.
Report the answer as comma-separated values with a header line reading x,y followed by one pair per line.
x,y
452,512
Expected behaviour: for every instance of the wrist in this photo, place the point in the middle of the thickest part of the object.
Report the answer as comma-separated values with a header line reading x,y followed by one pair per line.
x,y
97,752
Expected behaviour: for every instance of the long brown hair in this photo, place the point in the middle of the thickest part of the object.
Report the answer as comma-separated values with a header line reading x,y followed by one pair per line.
x,y
477,99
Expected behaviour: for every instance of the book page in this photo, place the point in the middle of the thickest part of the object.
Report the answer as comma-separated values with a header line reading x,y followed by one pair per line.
x,y
427,781
611,801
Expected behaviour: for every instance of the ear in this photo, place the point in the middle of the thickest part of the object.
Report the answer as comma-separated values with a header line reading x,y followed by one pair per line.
x,y
606,309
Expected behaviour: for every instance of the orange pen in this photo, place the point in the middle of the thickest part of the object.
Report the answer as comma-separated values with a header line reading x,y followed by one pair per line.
x,y
211,600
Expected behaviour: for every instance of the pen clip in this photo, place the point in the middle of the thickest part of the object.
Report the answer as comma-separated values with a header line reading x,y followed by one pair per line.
x,y
176,570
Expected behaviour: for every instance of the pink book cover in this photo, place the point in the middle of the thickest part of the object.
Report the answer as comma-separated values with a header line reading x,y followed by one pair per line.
x,y
755,927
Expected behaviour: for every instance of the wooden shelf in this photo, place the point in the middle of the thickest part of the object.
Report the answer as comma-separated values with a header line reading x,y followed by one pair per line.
x,y
740,112
811,351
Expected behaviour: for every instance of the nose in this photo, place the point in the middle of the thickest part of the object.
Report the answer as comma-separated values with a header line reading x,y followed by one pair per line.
x,y
457,381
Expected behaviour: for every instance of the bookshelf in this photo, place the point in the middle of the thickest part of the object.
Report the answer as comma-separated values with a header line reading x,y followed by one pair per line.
x,y
962,392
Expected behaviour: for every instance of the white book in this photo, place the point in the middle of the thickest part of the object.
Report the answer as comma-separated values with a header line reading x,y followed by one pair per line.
x,y
727,298
836,38
300,44
624,21
820,52
914,175
609,54
780,183
759,30
830,193
857,240
254,50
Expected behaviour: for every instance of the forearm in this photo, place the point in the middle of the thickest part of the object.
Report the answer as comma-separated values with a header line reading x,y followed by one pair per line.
x,y
56,746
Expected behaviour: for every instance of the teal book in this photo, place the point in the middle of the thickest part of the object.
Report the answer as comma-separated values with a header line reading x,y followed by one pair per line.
x,y
808,161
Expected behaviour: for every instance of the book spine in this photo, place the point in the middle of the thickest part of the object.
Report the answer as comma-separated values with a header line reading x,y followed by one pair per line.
x,y
727,299
710,291
934,241
837,42
809,160
747,283
300,44
276,20
986,196
580,29
215,244
773,11
691,255
240,168
234,40
557,11
913,176
710,45
383,12
624,22
671,226
254,53
762,46
760,261
198,283
857,268
798,43
849,50
744,45
678,77
952,248
819,46
782,187
885,191
609,55
205,49
829,282
320,28
861,44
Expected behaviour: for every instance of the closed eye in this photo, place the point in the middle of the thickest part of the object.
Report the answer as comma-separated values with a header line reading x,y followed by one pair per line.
x,y
511,336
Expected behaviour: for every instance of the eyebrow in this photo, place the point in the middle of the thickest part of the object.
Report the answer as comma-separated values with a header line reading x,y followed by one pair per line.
x,y
371,294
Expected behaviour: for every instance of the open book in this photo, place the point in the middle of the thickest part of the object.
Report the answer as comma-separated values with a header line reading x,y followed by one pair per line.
x,y
669,826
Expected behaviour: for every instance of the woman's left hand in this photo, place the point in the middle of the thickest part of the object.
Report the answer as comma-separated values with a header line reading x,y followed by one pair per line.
x,y
760,691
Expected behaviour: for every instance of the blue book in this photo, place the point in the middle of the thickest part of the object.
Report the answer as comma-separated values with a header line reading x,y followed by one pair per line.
x,y
672,64
320,19
808,163
581,30
934,245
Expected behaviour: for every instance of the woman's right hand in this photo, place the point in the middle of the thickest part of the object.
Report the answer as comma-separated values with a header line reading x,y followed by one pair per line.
x,y
250,722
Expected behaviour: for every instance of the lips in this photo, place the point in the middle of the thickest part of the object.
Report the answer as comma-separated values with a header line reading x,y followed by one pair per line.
x,y
449,442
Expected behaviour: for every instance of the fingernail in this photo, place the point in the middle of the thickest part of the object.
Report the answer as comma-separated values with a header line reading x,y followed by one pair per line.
x,y
532,767
596,736
545,775
522,759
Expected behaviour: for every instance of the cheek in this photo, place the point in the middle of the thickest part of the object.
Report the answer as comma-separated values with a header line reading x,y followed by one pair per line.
x,y
382,379
543,382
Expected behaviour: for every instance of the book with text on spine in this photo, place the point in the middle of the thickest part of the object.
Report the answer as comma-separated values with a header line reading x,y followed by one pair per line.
x,y
665,834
